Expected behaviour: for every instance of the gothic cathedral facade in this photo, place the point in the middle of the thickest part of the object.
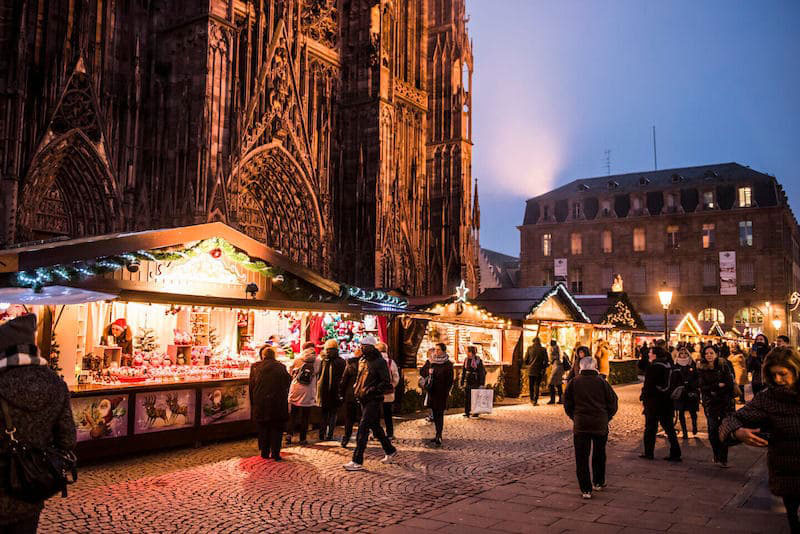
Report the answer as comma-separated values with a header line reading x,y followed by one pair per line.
x,y
335,131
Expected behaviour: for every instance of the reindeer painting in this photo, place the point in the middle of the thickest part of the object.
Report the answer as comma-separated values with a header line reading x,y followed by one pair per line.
x,y
175,408
153,412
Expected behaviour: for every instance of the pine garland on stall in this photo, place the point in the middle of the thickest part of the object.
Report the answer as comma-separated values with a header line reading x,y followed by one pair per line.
x,y
55,355
146,340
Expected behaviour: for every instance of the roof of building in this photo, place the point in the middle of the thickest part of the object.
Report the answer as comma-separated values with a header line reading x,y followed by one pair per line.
x,y
517,302
505,267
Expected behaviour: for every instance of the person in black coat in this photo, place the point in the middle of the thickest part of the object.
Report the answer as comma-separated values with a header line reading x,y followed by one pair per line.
x,y
716,391
689,400
346,384
758,352
644,358
536,360
440,370
658,404
328,396
472,377
772,419
269,402
591,403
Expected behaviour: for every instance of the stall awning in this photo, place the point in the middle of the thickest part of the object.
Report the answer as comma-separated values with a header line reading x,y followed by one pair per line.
x,y
51,295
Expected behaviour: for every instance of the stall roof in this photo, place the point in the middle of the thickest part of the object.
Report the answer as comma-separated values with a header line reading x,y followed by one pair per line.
x,y
517,303
614,308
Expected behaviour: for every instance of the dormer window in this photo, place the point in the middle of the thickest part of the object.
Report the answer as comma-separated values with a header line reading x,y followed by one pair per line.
x,y
708,200
644,181
576,211
546,213
613,184
583,187
745,197
637,203
677,178
670,200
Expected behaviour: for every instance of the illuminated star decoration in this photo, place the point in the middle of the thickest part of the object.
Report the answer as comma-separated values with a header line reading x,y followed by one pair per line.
x,y
461,292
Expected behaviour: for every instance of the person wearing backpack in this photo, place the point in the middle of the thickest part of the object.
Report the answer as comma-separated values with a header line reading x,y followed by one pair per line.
x,y
303,391
716,390
38,405
660,380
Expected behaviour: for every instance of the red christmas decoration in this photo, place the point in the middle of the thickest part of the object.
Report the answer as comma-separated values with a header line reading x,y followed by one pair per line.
x,y
215,253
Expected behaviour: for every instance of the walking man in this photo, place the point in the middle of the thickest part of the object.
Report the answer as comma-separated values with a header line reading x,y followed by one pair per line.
x,y
536,360
658,408
591,403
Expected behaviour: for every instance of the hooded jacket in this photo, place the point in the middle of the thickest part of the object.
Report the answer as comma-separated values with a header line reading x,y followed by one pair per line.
x,y
39,405
304,394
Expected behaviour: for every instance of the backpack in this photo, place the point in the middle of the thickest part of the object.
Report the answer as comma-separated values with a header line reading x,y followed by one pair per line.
x,y
674,381
306,374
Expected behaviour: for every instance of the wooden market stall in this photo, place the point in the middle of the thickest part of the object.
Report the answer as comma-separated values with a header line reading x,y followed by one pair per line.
x,y
154,332
616,322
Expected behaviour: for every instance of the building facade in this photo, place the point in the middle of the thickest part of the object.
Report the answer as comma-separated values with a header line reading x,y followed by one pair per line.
x,y
722,237
314,126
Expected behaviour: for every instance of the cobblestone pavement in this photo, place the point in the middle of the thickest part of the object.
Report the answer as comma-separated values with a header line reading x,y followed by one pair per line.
x,y
518,451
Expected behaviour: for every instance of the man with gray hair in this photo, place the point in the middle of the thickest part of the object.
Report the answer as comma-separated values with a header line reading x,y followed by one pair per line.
x,y
591,403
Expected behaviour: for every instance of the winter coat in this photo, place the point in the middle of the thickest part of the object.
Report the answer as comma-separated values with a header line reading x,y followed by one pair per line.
x,y
737,360
603,357
348,380
536,360
755,361
373,378
330,376
269,391
40,410
473,375
304,394
775,411
690,399
716,398
655,390
555,374
442,379
124,340
394,375
590,402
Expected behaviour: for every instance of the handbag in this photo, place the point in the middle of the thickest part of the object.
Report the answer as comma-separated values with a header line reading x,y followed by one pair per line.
x,y
34,474
677,393
424,383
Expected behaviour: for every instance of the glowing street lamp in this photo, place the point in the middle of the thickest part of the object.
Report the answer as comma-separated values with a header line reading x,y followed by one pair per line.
x,y
776,324
665,296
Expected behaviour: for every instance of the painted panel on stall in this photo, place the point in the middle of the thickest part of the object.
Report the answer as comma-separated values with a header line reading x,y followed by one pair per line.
x,y
164,410
100,417
223,404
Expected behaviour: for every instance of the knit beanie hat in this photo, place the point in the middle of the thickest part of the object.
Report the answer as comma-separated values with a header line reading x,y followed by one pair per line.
x,y
18,331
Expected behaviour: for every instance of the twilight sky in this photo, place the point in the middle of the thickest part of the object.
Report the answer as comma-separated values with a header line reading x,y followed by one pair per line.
x,y
559,82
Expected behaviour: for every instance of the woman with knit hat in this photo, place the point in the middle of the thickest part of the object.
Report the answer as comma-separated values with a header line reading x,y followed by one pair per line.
x,y
330,376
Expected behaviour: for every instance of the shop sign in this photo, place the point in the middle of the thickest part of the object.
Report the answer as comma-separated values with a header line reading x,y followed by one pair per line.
x,y
560,267
727,273
224,404
164,410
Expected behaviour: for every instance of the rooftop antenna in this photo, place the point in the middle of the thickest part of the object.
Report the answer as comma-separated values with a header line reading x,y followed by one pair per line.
x,y
608,161
655,152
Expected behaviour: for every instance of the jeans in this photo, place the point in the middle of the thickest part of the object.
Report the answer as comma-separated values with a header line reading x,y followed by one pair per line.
x,y
27,525
534,383
553,389
438,421
370,420
651,422
467,400
714,419
269,437
792,503
682,419
387,418
350,417
328,422
584,445
302,413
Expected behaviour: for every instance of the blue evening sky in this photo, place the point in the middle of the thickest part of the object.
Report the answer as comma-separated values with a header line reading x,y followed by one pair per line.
x,y
559,82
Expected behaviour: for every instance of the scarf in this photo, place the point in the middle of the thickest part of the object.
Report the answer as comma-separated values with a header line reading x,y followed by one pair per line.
x,y
471,363
439,359
19,355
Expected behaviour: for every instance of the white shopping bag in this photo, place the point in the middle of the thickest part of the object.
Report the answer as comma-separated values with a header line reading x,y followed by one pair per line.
x,y
482,401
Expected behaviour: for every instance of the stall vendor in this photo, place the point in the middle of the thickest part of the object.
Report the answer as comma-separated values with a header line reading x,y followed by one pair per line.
x,y
123,337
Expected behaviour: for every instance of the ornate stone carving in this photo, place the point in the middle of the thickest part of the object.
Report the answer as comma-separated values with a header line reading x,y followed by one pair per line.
x,y
320,20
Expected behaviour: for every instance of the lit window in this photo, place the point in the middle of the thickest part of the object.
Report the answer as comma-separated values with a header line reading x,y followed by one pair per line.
x,y
639,241
710,315
576,244
547,277
547,244
748,316
745,233
708,235
672,236
608,243
708,200
745,197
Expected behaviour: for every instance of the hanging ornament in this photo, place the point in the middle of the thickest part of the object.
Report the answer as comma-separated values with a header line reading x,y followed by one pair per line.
x,y
215,253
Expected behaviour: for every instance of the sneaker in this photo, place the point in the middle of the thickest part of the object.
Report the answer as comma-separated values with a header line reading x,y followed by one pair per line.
x,y
388,458
352,466
586,496
599,487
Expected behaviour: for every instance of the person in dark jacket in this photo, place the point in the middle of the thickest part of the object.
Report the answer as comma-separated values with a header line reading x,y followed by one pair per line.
x,y
689,400
658,404
440,369
346,393
39,407
536,360
716,392
772,419
269,402
644,358
591,403
472,377
372,383
755,362
328,395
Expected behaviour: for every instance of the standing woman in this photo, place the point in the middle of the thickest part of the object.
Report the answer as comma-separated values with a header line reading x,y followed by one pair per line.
x,y
758,352
603,357
440,370
330,376
388,398
772,419
716,389
269,391
739,363
303,391
472,377
347,394
689,400
555,375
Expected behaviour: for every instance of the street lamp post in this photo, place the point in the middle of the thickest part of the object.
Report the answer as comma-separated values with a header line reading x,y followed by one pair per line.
x,y
665,297
776,324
